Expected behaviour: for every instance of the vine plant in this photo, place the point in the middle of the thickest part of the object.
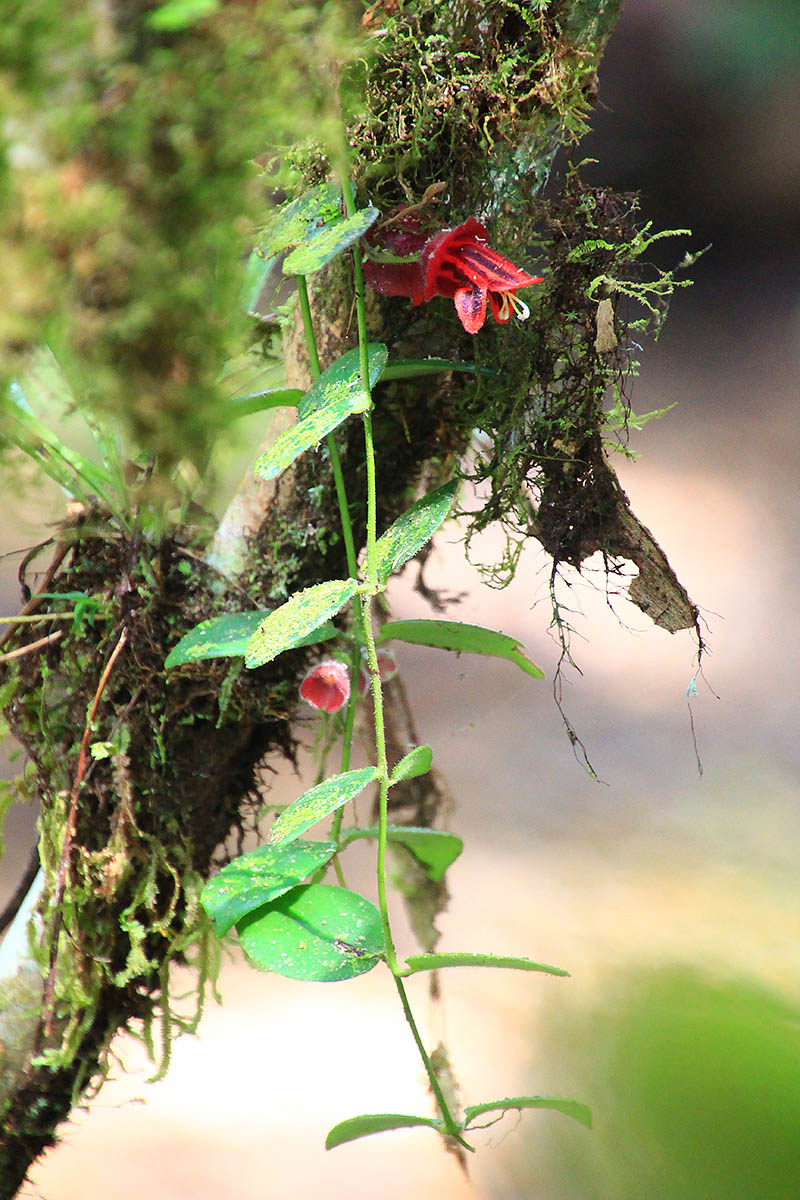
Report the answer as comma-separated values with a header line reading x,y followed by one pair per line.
x,y
286,918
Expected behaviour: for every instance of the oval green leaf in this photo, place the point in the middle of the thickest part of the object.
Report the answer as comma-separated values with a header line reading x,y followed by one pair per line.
x,y
292,623
335,396
416,762
413,529
413,368
368,1123
317,932
227,637
321,245
432,962
570,1108
434,849
454,635
318,803
344,373
254,879
293,222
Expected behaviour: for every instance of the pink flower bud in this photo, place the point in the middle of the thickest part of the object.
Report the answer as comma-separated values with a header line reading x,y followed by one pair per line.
x,y
327,686
387,669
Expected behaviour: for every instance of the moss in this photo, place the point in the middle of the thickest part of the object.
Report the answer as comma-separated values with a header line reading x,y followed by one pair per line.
x,y
475,97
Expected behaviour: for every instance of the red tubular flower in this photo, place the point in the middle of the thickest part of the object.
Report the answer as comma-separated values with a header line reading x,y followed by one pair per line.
x,y
327,686
459,263
404,239
456,263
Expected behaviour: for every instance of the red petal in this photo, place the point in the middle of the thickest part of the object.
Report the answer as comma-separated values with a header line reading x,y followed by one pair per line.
x,y
441,253
471,307
327,686
488,268
501,309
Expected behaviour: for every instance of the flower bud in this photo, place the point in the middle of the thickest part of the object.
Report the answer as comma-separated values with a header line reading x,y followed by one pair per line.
x,y
327,686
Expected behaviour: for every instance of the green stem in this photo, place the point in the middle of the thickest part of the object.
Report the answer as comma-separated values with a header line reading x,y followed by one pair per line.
x,y
451,1125
383,778
349,545
372,588
333,451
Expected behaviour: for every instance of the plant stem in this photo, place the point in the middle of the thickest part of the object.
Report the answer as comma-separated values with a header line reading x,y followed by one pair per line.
x,y
333,451
372,588
451,1125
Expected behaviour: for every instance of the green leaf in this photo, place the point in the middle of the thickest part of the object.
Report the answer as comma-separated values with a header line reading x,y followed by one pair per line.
x,y
243,406
368,1123
570,1108
432,962
319,802
335,396
320,246
413,529
317,932
255,276
301,615
228,636
180,14
453,635
254,879
413,368
416,762
292,223
345,372
435,849
77,475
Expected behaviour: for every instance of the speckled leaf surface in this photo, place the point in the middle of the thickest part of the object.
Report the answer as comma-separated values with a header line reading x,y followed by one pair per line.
x,y
413,529
319,802
317,207
287,626
323,244
319,932
334,397
228,636
417,762
254,879
345,372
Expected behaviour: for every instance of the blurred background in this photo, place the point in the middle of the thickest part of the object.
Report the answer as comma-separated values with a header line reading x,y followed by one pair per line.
x,y
671,897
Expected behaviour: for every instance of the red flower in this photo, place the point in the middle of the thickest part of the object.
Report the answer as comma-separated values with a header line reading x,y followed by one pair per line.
x,y
327,686
403,239
457,263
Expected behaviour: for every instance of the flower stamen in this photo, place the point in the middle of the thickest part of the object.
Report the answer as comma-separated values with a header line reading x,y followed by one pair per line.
x,y
520,307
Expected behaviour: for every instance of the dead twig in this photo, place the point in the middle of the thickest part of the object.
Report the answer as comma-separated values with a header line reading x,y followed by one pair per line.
x,y
31,646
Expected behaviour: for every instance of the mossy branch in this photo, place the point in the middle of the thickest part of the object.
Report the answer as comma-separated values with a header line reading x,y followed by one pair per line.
x,y
153,157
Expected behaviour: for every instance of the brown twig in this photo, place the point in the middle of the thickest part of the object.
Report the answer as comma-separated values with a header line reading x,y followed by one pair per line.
x,y
31,646
35,601
63,865
21,890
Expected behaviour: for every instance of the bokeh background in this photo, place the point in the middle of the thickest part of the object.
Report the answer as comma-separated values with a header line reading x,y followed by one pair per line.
x,y
671,897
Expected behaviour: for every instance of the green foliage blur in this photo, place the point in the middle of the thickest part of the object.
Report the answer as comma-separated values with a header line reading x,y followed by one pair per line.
x,y
694,1083
135,164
